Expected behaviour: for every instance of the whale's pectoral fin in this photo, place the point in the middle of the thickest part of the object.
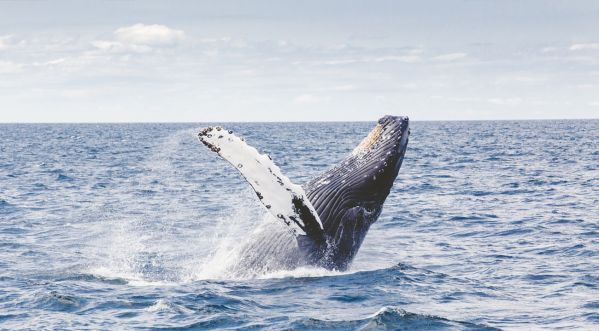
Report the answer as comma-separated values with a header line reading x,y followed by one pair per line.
x,y
283,199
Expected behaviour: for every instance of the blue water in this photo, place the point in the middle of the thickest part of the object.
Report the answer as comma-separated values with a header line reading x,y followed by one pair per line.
x,y
489,225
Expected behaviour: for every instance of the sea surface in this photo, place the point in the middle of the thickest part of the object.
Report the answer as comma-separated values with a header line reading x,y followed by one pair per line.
x,y
490,225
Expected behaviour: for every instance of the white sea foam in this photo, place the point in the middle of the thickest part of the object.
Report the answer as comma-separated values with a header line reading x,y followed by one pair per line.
x,y
302,272
134,279
165,306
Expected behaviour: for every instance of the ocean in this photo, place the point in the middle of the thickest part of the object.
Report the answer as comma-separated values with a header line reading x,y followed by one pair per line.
x,y
490,225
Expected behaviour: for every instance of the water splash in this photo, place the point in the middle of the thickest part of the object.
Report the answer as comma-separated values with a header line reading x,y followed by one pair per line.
x,y
178,244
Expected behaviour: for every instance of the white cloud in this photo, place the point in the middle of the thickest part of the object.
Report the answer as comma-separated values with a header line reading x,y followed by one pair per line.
x,y
8,41
215,40
521,78
506,101
306,99
465,99
54,62
594,104
380,98
7,67
451,57
140,38
118,47
338,62
584,47
149,35
409,58
347,87
548,49
5,42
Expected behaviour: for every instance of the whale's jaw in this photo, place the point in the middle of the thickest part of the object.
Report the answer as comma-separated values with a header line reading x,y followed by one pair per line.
x,y
350,197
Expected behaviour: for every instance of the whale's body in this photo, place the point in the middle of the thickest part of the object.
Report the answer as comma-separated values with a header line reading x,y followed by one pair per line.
x,y
329,217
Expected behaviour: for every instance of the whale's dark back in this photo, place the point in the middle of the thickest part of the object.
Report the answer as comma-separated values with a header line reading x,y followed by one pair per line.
x,y
350,197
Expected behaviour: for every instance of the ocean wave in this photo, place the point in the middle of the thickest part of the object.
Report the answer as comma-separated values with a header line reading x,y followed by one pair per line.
x,y
389,318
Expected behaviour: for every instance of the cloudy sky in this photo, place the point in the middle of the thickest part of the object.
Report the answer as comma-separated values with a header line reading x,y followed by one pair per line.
x,y
179,61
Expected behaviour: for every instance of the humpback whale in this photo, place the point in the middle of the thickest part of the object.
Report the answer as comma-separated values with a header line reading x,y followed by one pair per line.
x,y
327,219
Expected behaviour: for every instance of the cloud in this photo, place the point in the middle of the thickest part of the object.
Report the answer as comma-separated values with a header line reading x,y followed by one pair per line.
x,y
149,35
140,38
506,101
584,47
340,62
469,99
8,41
549,49
346,87
306,99
451,57
409,58
594,104
4,42
522,78
54,62
7,67
118,47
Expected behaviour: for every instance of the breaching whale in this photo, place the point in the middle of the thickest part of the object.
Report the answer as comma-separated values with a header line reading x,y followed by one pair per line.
x,y
326,219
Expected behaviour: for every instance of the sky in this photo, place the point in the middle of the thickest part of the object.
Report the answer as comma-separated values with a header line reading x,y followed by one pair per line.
x,y
211,61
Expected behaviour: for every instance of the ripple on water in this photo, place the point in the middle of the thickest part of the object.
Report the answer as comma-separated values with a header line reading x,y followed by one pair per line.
x,y
56,301
389,318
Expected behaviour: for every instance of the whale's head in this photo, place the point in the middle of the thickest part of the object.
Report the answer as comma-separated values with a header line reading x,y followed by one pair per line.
x,y
375,162
350,197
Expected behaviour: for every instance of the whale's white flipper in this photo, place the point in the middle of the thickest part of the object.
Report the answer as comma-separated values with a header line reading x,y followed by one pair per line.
x,y
283,199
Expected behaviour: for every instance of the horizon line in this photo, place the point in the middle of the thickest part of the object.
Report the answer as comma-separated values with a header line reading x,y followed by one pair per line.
x,y
297,122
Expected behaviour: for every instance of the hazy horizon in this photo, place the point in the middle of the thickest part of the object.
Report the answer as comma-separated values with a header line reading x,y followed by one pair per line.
x,y
306,121
283,61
